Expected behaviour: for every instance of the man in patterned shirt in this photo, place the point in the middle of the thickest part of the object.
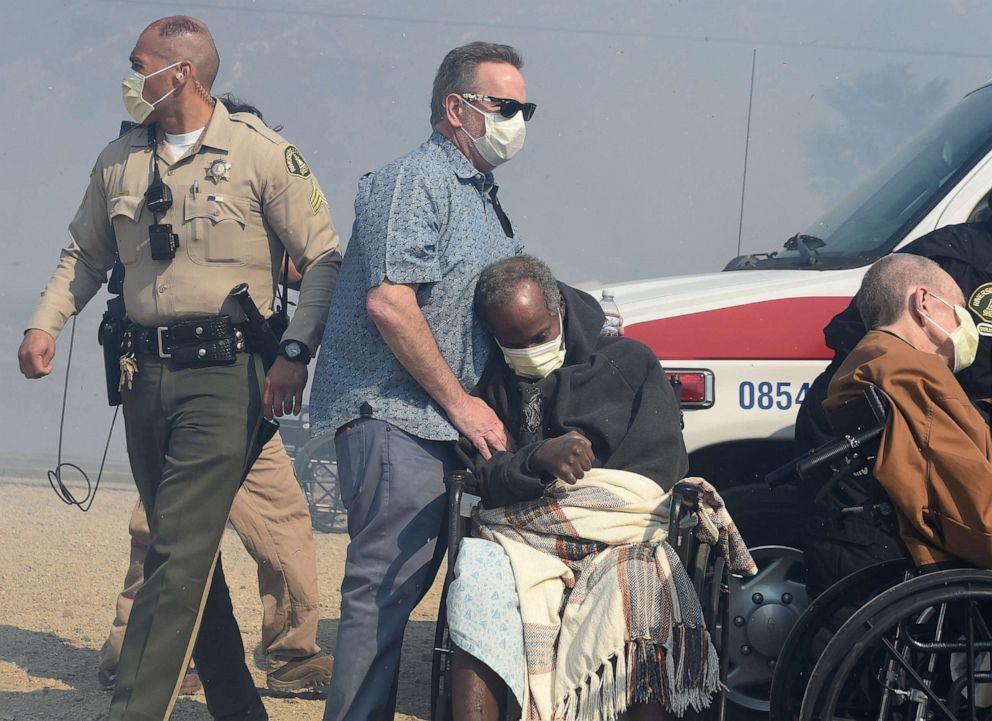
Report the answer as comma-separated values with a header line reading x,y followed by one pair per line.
x,y
402,350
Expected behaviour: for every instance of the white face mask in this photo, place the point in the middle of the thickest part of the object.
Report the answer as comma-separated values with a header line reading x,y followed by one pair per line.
x,y
538,361
133,87
964,337
504,137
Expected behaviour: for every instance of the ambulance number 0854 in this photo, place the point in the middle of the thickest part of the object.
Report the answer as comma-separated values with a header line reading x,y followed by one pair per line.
x,y
766,396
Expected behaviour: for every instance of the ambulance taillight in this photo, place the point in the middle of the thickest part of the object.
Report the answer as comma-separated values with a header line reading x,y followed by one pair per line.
x,y
694,386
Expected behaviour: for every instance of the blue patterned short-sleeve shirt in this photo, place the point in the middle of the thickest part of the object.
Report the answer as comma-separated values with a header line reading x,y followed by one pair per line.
x,y
425,218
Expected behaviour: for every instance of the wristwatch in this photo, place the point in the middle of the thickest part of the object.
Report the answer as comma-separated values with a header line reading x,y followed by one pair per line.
x,y
295,351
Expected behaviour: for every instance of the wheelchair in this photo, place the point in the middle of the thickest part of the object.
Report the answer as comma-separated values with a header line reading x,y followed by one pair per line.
x,y
886,641
315,463
707,571
317,472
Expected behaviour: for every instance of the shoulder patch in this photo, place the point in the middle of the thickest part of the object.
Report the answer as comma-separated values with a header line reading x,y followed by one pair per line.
x,y
295,164
980,303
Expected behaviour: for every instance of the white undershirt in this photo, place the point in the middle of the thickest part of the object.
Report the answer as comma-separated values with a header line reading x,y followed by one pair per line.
x,y
180,143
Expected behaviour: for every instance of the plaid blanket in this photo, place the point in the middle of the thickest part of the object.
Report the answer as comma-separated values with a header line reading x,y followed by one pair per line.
x,y
716,528
610,616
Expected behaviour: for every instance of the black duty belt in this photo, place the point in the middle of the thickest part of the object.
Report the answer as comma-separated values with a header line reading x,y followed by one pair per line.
x,y
198,341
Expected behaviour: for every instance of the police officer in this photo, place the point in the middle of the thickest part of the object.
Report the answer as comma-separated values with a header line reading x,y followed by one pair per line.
x,y
194,202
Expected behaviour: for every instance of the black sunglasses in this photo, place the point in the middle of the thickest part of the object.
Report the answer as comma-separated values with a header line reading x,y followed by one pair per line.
x,y
508,107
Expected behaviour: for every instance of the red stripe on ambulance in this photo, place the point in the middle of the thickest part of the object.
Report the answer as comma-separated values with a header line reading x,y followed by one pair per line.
x,y
784,329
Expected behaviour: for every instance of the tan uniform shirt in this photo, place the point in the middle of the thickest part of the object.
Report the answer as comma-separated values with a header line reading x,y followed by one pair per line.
x,y
935,459
240,196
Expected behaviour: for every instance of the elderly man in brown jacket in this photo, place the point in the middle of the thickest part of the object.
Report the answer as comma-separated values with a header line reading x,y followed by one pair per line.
x,y
935,459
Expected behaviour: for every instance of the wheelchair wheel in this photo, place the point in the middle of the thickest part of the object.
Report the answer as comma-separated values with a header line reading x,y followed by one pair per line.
x,y
763,609
817,625
317,473
895,658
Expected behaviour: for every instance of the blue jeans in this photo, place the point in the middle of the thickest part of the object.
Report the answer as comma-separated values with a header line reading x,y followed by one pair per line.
x,y
392,485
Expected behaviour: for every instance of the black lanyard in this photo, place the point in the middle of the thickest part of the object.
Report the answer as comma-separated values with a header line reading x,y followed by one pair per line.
x,y
503,220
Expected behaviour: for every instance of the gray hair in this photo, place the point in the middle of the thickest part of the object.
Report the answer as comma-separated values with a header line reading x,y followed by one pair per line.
x,y
457,72
500,281
888,283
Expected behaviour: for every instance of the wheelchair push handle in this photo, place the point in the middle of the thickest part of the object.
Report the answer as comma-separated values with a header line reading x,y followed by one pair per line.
x,y
689,493
802,467
458,478
781,475
457,482
836,450
685,501
824,455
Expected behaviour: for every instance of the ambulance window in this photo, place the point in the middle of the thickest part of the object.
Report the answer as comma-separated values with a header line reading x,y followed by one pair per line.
x,y
873,218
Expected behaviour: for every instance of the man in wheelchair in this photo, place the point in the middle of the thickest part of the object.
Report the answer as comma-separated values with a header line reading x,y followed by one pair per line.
x,y
882,642
935,457
567,594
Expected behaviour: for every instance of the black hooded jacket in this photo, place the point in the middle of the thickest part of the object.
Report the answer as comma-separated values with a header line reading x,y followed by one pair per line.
x,y
611,390
965,252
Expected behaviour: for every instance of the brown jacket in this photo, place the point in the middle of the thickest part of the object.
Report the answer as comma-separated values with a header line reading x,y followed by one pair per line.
x,y
935,460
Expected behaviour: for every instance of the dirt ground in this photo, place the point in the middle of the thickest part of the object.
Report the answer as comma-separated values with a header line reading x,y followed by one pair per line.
x,y
60,571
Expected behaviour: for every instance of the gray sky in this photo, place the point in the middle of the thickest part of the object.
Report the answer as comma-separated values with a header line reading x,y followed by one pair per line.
x,y
632,166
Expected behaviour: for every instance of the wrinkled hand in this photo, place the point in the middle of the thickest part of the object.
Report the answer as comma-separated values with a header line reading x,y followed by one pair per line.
x,y
36,353
566,457
284,388
479,423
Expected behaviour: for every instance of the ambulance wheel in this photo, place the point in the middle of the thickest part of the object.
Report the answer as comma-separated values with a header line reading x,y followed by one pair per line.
x,y
763,609
769,523
765,517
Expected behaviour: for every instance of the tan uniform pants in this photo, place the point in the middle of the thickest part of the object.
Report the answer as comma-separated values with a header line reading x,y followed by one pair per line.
x,y
271,517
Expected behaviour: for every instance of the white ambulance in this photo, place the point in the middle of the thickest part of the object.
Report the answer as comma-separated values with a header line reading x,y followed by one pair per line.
x,y
745,344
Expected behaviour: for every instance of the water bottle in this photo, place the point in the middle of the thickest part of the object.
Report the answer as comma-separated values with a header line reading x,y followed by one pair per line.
x,y
614,321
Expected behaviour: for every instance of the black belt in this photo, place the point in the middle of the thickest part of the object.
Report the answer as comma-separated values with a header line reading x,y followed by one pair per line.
x,y
198,341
